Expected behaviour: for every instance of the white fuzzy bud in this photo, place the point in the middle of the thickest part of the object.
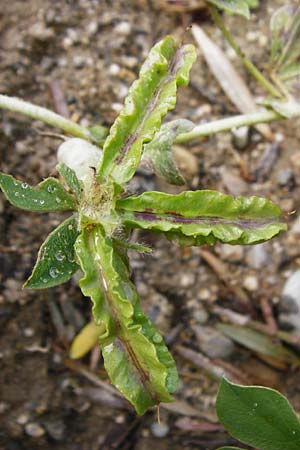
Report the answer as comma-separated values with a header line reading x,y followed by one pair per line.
x,y
81,156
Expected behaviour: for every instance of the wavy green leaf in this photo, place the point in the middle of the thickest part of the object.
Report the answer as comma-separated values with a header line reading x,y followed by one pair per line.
x,y
49,195
258,416
149,99
71,179
198,217
240,7
135,356
159,150
56,258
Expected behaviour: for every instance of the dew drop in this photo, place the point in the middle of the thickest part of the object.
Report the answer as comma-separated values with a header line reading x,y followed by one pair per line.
x,y
157,339
59,255
17,194
58,200
16,183
35,200
42,202
44,280
293,432
53,272
255,405
51,189
70,227
24,185
71,259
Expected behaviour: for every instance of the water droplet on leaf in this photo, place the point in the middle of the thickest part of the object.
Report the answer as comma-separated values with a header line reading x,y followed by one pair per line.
x,y
58,200
157,339
51,189
53,272
24,185
59,255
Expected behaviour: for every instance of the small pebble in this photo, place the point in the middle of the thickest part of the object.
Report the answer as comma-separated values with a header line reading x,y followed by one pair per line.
x,y
22,419
28,332
79,61
129,61
187,279
117,106
285,177
240,137
213,343
290,302
204,294
92,28
123,28
231,253
201,316
251,283
3,407
159,430
114,69
257,256
34,430
55,429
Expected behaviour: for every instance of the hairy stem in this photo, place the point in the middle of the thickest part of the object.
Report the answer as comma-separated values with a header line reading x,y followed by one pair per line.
x,y
45,115
229,123
245,60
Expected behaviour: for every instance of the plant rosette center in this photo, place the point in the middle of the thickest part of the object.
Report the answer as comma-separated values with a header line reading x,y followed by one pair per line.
x,y
97,204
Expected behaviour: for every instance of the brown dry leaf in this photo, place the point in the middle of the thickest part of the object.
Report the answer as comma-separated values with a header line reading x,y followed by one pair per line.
x,y
230,81
269,349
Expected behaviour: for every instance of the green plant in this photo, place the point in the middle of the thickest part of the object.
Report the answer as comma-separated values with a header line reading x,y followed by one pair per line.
x,y
97,234
258,416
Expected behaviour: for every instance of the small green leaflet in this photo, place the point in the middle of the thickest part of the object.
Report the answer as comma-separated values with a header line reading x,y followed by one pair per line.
x,y
150,98
49,195
198,217
56,259
135,356
240,7
99,134
258,416
159,150
285,28
71,179
285,58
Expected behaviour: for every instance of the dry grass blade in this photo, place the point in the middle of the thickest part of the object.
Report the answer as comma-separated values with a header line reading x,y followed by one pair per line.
x,y
181,6
211,367
230,81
